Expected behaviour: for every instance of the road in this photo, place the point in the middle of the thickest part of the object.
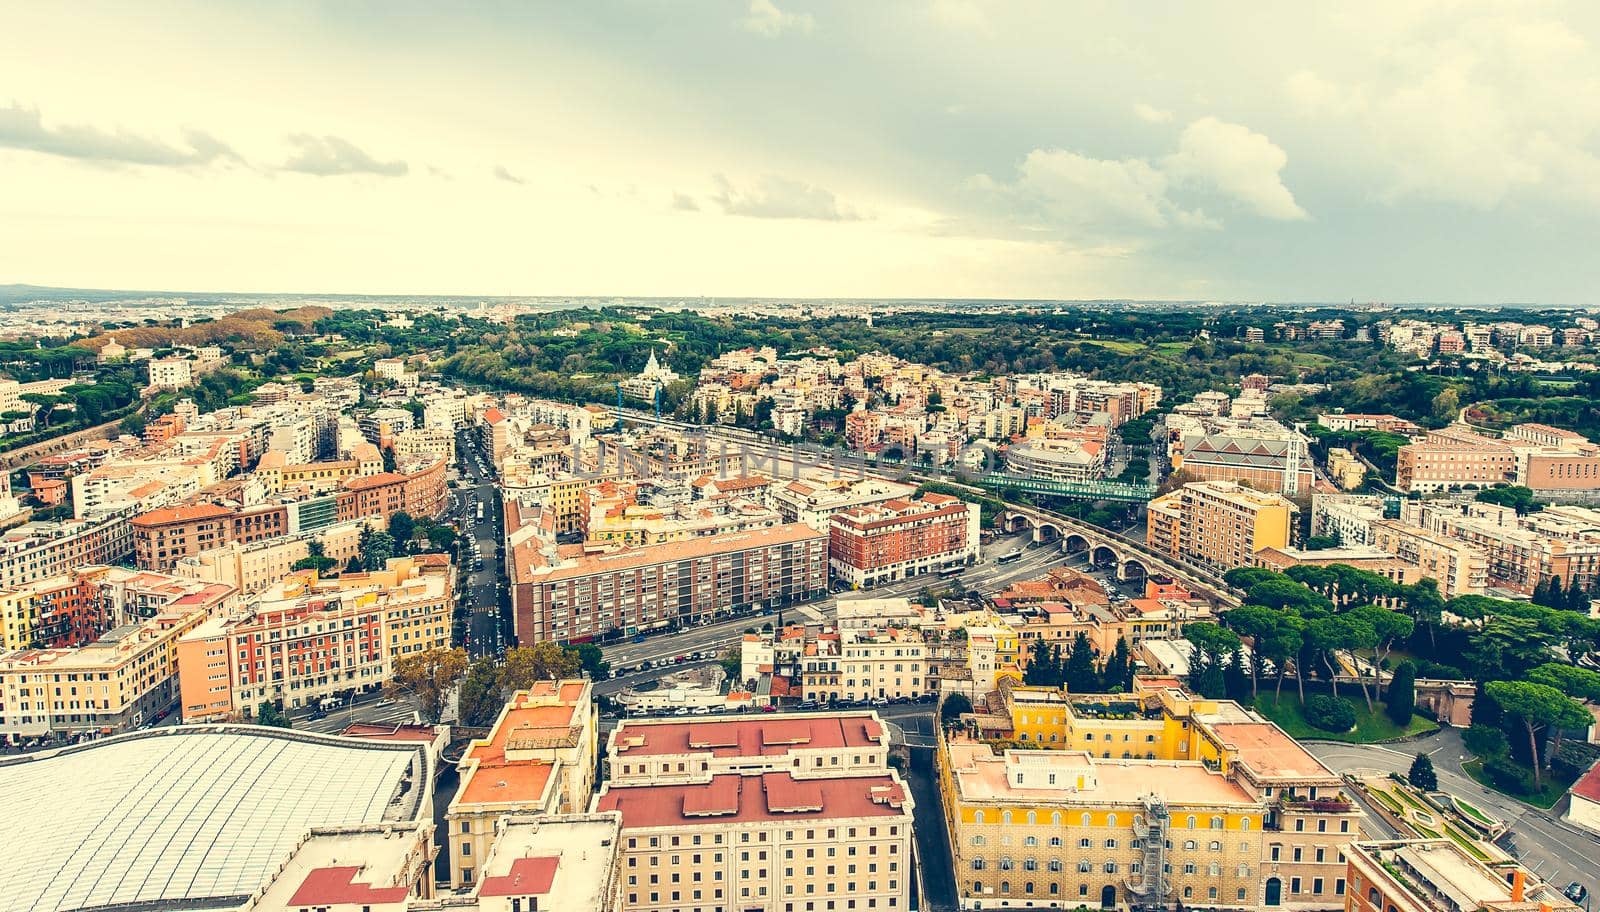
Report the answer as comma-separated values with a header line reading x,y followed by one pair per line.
x,y
986,577
480,588
1553,849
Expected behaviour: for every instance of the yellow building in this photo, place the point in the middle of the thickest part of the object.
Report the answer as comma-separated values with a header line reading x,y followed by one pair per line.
x,y
1305,818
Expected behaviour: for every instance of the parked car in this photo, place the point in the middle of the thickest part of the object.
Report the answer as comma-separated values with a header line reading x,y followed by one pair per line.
x,y
701,711
807,704
1576,892
880,701
769,708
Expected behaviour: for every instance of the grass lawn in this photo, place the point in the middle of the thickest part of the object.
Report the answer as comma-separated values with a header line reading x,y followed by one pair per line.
x,y
1473,812
1554,785
1370,726
1119,346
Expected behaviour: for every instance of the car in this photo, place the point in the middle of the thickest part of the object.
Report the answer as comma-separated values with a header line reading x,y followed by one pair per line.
x,y
880,701
807,704
682,711
317,714
769,708
899,700
1576,892
386,701
701,711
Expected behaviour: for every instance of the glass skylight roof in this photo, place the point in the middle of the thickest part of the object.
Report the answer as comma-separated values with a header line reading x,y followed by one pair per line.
x,y
191,813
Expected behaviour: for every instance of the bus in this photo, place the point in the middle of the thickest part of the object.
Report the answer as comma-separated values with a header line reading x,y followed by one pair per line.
x,y
951,573
1008,558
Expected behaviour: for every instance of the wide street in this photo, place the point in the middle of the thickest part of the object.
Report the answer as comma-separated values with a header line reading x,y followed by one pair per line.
x,y
479,588
1552,848
987,576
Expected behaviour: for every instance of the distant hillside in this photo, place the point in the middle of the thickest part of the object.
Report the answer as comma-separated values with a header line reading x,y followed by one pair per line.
x,y
257,327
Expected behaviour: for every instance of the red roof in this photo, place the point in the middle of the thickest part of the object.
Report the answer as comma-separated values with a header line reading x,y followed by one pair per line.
x,y
747,737
181,514
528,877
373,481
337,886
1588,786
742,799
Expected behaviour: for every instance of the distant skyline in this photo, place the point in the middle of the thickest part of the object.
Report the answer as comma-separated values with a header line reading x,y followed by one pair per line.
x,y
1399,151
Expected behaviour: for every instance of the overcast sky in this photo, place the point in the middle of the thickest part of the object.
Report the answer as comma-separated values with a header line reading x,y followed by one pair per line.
x,y
1392,151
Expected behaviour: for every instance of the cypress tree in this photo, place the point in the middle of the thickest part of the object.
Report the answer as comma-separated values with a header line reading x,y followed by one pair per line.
x,y
1402,694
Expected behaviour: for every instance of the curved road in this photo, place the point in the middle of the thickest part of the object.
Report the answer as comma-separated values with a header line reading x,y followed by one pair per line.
x,y
1552,848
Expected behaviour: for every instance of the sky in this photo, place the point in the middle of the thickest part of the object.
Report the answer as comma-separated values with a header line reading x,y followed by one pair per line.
x,y
1397,151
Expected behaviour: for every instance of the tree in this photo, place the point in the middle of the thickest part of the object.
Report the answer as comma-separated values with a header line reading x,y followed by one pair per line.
x,y
1116,675
1211,642
1425,605
1505,647
732,662
1447,404
1402,701
526,665
955,705
315,559
1580,683
1485,741
268,714
428,676
1540,707
1080,672
1389,628
591,660
1257,622
1422,775
376,549
480,699
402,527
1235,682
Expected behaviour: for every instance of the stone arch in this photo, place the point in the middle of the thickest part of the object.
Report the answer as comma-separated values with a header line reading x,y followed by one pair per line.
x,y
1074,543
1016,522
1132,570
1046,532
1103,556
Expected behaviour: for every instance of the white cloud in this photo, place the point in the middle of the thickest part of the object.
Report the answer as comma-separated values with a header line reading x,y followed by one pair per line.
x,y
1472,111
777,197
767,20
1151,114
1078,194
502,173
24,128
1237,162
683,202
326,156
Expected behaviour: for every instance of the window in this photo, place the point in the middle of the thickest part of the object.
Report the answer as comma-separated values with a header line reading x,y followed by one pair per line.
x,y
1216,823
977,864
1191,821
1216,846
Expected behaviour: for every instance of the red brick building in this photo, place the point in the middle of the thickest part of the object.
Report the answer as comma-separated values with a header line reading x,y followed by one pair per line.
x,y
898,539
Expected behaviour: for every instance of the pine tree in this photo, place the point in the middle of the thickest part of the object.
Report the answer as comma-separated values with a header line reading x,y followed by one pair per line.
x,y
1577,599
1081,677
1422,775
1541,592
1236,681
1116,674
1402,695
1556,597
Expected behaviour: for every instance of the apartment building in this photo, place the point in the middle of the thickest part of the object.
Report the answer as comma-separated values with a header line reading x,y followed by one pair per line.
x,y
875,664
163,537
814,501
1454,457
902,538
253,567
1436,875
125,672
1349,421
625,513
783,813
39,550
538,758
1460,568
1346,517
307,638
1522,551
572,593
1219,523
175,372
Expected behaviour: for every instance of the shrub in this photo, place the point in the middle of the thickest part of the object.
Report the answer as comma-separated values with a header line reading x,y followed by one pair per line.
x,y
1485,741
1509,775
1330,713
1574,757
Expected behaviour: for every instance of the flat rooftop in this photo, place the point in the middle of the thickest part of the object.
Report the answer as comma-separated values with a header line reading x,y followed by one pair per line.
x,y
564,861
543,716
771,736
980,775
186,814
1269,753
730,798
